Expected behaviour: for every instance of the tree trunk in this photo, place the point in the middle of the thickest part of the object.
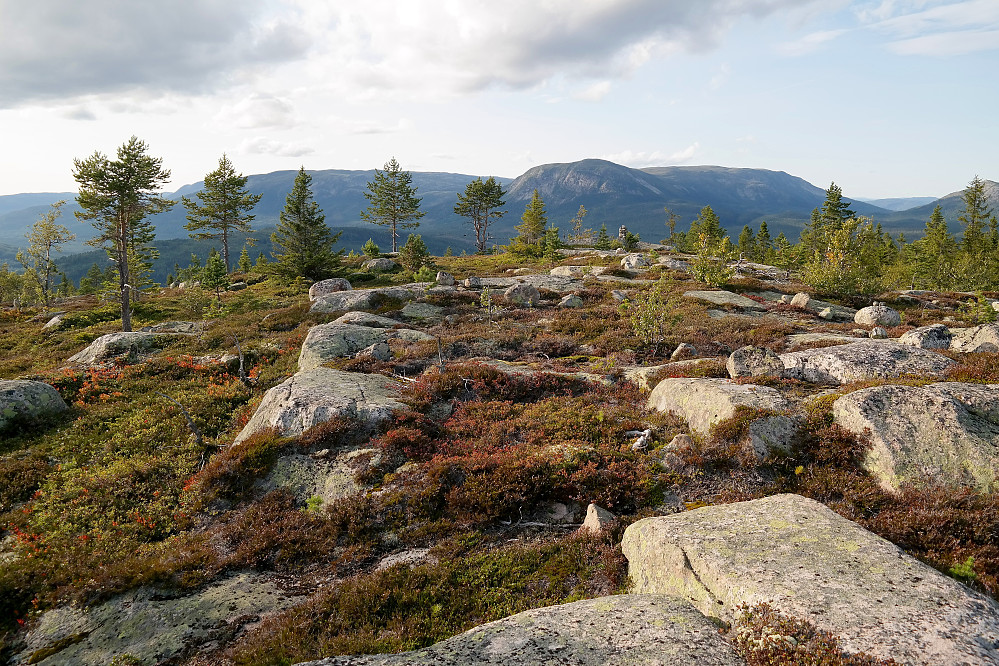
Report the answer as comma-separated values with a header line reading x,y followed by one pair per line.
x,y
225,248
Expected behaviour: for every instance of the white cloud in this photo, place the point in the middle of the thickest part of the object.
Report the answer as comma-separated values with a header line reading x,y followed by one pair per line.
x,y
257,111
263,145
925,27
809,43
639,160
371,127
594,92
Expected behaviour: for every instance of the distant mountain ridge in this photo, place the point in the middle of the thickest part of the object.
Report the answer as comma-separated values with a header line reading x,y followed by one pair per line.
x,y
613,194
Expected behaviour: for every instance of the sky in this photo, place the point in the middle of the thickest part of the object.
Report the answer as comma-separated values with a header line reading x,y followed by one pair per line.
x,y
888,98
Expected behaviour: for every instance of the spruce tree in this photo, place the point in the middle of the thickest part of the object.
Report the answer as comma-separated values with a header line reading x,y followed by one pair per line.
x,y
215,276
244,261
224,209
764,244
393,199
747,242
603,241
835,210
974,216
304,242
533,221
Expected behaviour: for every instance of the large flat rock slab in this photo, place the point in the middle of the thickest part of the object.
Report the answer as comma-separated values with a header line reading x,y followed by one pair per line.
x,y
808,562
944,433
704,402
316,396
28,399
362,299
125,345
858,361
609,631
327,342
724,298
150,624
984,338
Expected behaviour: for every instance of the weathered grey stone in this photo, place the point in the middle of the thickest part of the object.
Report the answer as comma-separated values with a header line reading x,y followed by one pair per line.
x,y
808,562
445,279
684,350
360,318
327,287
152,625
329,477
984,338
618,295
571,301
473,283
634,262
827,314
724,298
116,345
327,342
315,396
188,327
626,629
422,312
570,271
941,433
878,315
674,264
54,322
380,351
935,336
237,286
361,299
878,333
679,442
523,295
800,300
597,518
704,402
754,362
802,339
380,264
857,361
22,398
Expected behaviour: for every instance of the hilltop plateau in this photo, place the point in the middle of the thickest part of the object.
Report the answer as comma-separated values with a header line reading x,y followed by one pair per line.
x,y
589,458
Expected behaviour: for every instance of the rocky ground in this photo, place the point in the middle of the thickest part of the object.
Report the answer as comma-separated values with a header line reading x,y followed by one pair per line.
x,y
761,475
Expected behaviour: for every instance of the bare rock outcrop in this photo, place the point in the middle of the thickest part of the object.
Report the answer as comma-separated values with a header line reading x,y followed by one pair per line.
x,y
129,345
984,338
878,314
523,295
946,432
362,299
27,399
704,402
326,287
808,562
857,361
607,631
724,298
315,396
935,336
753,361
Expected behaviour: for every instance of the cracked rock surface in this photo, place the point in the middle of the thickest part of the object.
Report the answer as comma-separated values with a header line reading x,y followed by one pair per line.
x,y
867,359
808,562
611,631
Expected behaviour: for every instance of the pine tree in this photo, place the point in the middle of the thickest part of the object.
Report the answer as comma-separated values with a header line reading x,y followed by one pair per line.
x,y
551,243
706,223
478,203
603,241
304,241
936,252
414,254
578,233
224,209
394,203
974,216
533,221
835,210
117,196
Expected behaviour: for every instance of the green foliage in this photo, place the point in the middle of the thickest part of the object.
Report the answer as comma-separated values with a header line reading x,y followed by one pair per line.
x,y
425,274
654,314
393,200
303,240
45,238
244,265
579,234
710,266
371,249
853,261
478,203
979,310
551,244
603,241
533,221
224,209
117,196
215,276
414,255
974,216
964,571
